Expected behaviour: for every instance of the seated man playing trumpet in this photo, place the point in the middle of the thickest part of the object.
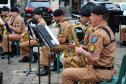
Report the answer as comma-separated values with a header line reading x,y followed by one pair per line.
x,y
16,25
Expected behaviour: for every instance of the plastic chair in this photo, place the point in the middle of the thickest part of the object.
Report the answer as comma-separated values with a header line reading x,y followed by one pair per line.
x,y
58,61
120,79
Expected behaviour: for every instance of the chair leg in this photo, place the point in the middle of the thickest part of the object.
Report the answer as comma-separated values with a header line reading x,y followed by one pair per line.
x,y
122,70
125,81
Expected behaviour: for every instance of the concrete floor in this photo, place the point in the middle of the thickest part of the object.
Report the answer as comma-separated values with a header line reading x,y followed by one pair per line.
x,y
13,73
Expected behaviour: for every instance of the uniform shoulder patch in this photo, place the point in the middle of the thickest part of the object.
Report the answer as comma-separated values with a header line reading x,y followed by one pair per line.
x,y
91,48
93,39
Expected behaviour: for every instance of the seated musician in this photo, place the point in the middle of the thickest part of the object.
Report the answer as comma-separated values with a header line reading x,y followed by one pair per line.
x,y
15,28
100,53
62,24
24,49
5,13
87,27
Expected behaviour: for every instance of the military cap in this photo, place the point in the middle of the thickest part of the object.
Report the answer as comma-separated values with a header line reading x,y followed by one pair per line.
x,y
85,12
58,12
99,10
38,11
5,8
14,9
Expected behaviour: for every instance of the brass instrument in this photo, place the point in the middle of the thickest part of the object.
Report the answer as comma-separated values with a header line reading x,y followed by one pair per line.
x,y
25,36
70,54
3,29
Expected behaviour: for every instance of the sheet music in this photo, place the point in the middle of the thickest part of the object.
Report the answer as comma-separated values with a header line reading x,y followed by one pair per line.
x,y
54,30
52,35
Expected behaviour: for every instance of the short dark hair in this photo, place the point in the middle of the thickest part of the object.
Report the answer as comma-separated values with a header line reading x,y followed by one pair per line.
x,y
14,9
99,10
58,12
5,8
105,16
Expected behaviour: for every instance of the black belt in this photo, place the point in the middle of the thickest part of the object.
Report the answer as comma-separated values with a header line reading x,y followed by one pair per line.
x,y
101,67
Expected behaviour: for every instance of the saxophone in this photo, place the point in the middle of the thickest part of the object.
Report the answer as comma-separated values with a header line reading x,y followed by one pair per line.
x,y
25,36
70,54
3,29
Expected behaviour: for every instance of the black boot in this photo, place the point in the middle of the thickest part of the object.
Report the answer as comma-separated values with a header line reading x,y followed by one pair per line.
x,y
24,59
44,72
3,55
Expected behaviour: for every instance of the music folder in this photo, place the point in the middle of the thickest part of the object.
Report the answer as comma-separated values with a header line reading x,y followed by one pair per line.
x,y
44,34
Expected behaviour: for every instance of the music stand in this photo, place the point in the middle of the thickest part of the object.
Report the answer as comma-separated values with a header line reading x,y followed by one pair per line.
x,y
45,36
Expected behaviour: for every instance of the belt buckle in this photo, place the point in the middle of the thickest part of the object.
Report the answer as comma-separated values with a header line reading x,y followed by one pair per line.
x,y
106,68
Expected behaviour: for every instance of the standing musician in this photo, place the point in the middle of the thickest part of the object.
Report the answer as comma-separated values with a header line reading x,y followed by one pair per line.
x,y
100,52
62,24
24,49
16,25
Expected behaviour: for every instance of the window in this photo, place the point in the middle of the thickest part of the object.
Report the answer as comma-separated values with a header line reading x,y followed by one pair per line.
x,y
123,6
39,4
110,6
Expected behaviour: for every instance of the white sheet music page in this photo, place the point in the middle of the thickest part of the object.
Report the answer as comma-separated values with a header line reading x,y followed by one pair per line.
x,y
52,35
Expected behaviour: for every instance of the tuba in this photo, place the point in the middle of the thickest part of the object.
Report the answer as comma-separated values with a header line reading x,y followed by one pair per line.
x,y
76,35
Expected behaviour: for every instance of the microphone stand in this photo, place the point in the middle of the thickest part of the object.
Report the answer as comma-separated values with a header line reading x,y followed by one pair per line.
x,y
29,72
30,51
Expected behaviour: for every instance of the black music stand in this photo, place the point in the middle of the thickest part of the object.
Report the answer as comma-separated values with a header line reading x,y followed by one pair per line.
x,y
45,36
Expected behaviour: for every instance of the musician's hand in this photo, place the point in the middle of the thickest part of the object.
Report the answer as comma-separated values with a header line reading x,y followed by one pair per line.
x,y
72,45
85,47
79,50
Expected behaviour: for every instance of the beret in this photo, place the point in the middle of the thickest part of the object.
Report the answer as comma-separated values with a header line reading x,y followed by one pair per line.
x,y
99,10
38,11
14,9
58,12
85,12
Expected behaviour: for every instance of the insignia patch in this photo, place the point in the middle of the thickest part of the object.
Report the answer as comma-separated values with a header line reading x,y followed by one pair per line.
x,y
93,39
91,48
